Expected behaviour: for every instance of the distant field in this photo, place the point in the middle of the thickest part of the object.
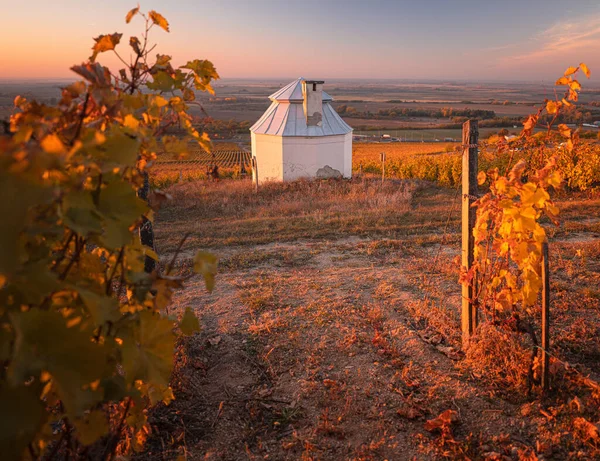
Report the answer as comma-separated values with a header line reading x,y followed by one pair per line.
x,y
431,134
365,152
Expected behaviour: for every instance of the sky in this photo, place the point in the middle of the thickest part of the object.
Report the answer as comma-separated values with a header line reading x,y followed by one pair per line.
x,y
485,40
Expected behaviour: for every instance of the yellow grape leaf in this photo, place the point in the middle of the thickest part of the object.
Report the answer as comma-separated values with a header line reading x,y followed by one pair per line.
x,y
159,20
148,350
105,43
575,85
552,209
570,71
189,322
481,177
151,253
53,145
566,103
206,265
552,107
562,81
131,14
585,70
555,179
158,393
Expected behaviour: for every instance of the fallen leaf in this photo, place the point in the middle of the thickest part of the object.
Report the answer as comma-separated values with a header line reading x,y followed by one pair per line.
x,y
214,341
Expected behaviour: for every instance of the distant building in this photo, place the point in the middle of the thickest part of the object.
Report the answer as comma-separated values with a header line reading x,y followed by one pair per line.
x,y
301,135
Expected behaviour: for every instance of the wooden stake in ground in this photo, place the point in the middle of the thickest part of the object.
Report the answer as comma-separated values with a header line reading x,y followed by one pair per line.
x,y
470,137
382,155
255,173
545,318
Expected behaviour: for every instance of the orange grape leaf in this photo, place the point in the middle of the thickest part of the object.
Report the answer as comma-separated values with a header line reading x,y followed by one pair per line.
x,y
131,14
585,70
105,43
552,107
573,95
19,101
53,145
481,177
159,20
570,71
574,85
564,130
443,421
562,81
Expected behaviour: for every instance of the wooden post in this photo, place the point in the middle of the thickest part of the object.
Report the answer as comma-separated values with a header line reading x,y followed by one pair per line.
x,y
470,137
382,155
545,318
255,173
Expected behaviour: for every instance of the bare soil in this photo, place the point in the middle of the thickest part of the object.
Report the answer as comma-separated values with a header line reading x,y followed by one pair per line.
x,y
335,334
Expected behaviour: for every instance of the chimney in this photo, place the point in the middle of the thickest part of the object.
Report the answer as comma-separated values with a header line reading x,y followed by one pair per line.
x,y
312,92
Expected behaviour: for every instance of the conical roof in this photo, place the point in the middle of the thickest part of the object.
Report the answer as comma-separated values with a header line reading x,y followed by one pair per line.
x,y
293,92
285,116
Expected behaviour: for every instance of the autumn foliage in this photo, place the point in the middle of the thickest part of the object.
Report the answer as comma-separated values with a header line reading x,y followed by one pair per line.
x,y
86,342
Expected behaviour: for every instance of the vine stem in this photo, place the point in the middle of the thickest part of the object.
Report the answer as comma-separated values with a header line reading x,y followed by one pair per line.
x,y
115,438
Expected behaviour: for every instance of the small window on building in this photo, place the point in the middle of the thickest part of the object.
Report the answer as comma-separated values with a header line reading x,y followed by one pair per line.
x,y
314,87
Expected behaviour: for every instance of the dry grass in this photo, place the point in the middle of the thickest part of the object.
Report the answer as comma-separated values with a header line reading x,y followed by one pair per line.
x,y
333,330
230,213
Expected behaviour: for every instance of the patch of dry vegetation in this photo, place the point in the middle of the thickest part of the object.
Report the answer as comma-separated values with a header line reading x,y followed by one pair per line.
x,y
367,152
230,213
333,331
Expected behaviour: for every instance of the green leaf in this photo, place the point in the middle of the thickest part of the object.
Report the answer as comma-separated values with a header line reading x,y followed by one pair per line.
x,y
161,81
204,72
44,342
206,264
18,197
35,281
79,213
121,208
119,149
91,427
6,338
101,307
148,349
189,323
23,415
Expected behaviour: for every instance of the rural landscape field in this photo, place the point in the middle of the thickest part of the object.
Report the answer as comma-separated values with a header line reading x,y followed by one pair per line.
x,y
215,262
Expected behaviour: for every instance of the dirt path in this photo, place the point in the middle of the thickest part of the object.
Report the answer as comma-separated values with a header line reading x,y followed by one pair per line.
x,y
316,350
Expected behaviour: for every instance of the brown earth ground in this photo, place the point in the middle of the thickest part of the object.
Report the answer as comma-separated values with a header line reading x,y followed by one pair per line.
x,y
333,331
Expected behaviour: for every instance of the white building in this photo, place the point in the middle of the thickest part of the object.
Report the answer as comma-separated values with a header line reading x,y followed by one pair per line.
x,y
301,136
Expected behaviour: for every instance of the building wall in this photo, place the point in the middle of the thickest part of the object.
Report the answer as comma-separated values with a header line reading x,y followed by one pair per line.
x,y
269,159
303,156
290,157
